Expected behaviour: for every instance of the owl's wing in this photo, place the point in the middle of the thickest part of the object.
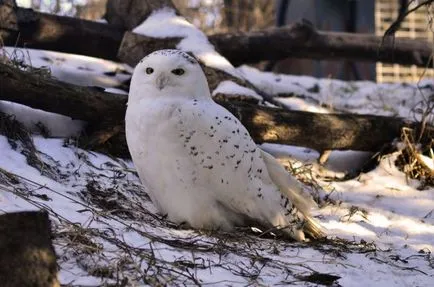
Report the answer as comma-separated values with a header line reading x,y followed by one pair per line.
x,y
245,178
221,148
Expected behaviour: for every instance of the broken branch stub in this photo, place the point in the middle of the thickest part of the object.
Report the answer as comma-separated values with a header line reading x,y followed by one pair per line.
x,y
27,255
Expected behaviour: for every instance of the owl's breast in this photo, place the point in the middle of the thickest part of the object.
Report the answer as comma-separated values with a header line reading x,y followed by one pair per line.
x,y
148,126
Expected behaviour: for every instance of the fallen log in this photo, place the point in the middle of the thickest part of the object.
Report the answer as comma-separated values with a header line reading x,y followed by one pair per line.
x,y
30,29
39,91
265,124
301,40
27,255
70,35
26,28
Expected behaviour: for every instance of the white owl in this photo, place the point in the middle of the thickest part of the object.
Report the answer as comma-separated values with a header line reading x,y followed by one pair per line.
x,y
198,161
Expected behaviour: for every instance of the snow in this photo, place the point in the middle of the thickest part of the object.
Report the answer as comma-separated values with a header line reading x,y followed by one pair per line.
x,y
231,88
33,119
164,23
65,7
428,162
106,229
75,69
363,97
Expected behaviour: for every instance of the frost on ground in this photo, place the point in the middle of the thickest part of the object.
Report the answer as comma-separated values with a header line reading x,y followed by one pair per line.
x,y
106,230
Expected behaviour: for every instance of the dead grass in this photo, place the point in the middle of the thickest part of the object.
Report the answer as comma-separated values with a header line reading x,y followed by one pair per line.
x,y
20,58
20,139
411,159
418,143
125,262
122,207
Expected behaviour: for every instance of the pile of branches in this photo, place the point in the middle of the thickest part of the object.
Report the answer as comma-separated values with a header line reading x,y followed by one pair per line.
x,y
25,27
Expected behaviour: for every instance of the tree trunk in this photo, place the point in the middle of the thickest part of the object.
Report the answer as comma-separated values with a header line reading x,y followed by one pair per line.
x,y
265,124
70,35
27,255
128,14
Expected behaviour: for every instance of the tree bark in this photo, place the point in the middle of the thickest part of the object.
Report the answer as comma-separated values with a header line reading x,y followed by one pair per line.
x,y
317,131
70,35
27,28
265,124
43,92
27,255
301,40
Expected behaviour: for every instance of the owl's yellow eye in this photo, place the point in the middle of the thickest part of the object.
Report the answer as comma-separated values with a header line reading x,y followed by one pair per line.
x,y
178,72
149,71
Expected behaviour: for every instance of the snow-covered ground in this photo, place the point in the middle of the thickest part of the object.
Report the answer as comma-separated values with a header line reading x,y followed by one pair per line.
x,y
380,224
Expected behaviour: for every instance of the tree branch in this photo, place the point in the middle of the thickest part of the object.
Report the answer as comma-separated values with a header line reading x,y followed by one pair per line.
x,y
402,14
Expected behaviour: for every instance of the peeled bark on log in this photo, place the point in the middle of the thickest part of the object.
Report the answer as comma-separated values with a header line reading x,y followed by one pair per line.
x,y
71,35
265,124
27,255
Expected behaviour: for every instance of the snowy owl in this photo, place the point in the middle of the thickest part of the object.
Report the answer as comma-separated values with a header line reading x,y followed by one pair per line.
x,y
198,161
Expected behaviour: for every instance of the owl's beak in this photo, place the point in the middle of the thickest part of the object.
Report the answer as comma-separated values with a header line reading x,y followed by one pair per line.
x,y
162,81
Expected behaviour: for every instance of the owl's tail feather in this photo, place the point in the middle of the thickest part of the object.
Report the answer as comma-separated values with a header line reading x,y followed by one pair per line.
x,y
290,187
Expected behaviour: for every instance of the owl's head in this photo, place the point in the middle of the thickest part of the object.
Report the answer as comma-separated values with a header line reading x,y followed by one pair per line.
x,y
168,73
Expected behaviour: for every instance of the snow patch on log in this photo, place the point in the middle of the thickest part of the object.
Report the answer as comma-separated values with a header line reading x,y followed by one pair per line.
x,y
164,23
75,69
406,100
229,88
